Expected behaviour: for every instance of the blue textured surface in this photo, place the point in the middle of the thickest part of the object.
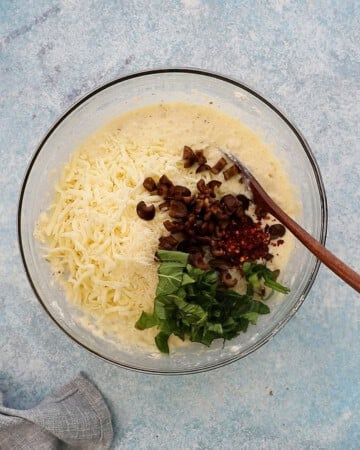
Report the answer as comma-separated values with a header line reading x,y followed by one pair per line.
x,y
305,57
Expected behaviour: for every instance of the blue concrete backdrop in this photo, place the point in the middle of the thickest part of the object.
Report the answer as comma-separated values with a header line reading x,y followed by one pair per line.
x,y
304,55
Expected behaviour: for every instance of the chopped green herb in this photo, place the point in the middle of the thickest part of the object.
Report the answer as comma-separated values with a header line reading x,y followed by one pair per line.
x,y
255,272
189,303
161,341
172,256
146,321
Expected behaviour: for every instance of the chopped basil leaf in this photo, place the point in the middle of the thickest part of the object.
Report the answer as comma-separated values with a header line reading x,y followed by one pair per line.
x,y
276,286
146,321
170,255
255,272
252,317
161,341
186,279
189,303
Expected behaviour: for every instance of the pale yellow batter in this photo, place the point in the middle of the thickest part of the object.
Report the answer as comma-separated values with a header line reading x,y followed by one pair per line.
x,y
100,249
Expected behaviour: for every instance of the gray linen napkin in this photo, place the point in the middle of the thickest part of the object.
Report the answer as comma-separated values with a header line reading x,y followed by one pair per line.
x,y
73,417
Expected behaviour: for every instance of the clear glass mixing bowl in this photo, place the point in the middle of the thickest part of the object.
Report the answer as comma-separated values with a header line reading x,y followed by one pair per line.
x,y
168,85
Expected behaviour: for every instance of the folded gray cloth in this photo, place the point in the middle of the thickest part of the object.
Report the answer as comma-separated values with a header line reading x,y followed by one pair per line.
x,y
73,417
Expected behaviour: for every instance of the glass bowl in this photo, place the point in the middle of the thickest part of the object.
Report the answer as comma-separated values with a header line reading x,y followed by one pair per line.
x,y
171,85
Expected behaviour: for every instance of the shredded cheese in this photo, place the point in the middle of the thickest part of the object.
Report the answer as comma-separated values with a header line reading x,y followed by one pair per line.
x,y
102,252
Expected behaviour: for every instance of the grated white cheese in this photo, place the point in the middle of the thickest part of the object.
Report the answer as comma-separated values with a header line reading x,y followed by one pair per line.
x,y
102,250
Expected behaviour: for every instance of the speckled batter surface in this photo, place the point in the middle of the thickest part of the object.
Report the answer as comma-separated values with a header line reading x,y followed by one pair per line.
x,y
301,390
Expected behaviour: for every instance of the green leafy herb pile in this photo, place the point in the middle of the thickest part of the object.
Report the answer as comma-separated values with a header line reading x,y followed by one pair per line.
x,y
188,302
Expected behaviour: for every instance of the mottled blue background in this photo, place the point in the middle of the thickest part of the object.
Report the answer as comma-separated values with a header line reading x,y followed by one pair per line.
x,y
305,57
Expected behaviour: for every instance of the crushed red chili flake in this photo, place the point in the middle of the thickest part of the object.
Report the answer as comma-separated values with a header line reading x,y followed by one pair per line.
x,y
244,240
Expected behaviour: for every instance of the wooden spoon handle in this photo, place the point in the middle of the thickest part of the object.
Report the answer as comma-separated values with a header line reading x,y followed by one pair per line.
x,y
329,259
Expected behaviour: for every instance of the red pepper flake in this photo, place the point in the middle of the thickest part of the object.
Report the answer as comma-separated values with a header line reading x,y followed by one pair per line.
x,y
245,240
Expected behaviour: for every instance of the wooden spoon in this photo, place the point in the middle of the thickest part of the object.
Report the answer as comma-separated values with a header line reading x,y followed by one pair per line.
x,y
331,261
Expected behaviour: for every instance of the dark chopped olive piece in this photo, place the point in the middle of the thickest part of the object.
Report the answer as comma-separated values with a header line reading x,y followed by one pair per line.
x,y
178,209
170,192
164,205
218,234
239,212
231,203
201,185
212,185
177,192
167,242
204,240
165,180
218,167
188,163
188,153
224,223
189,157
227,280
269,257
145,212
206,200
260,211
198,206
246,220
219,212
201,228
189,246
200,158
191,219
211,226
162,190
187,199
202,168
220,264
197,260
230,172
245,202
149,184
173,227
188,228
276,231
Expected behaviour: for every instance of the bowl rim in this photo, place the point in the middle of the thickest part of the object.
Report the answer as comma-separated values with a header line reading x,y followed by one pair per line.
x,y
323,216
